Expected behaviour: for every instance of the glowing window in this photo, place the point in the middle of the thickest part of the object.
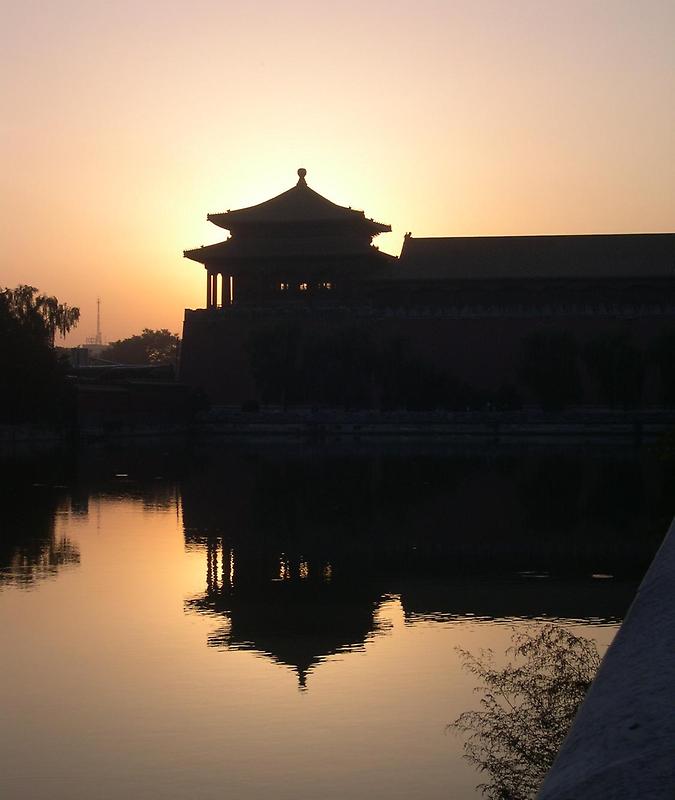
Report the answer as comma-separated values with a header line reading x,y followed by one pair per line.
x,y
303,287
283,287
325,285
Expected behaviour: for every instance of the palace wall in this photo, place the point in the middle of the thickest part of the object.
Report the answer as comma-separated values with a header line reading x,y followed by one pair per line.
x,y
479,347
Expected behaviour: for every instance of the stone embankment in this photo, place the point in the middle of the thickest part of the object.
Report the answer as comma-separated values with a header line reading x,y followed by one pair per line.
x,y
10,434
501,426
577,426
622,743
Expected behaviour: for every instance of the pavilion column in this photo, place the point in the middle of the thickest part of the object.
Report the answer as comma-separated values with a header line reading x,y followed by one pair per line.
x,y
211,296
224,290
210,564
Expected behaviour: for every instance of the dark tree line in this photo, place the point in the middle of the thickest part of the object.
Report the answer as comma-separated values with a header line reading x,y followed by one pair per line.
x,y
347,368
148,347
32,375
662,353
552,363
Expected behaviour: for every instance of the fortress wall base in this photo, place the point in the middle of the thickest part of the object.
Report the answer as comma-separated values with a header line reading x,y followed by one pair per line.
x,y
482,352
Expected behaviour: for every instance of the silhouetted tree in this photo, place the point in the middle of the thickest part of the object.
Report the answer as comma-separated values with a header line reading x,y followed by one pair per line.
x,y
277,358
662,352
32,376
30,547
526,708
340,369
148,347
508,398
422,387
345,368
407,381
617,368
548,367
39,313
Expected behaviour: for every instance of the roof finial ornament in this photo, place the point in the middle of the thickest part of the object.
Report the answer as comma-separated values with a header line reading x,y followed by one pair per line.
x,y
301,175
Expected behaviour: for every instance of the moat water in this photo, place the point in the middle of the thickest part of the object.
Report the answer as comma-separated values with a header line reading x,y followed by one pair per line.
x,y
286,621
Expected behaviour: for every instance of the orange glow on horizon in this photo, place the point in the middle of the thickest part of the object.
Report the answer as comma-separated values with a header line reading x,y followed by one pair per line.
x,y
129,123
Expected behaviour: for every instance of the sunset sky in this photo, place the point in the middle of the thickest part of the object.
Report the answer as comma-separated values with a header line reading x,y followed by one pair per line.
x,y
124,123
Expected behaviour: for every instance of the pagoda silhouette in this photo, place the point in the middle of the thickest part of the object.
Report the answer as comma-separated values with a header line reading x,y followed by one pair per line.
x,y
298,245
303,309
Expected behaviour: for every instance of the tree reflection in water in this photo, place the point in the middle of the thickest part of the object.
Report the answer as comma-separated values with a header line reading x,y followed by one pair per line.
x,y
526,708
31,549
37,559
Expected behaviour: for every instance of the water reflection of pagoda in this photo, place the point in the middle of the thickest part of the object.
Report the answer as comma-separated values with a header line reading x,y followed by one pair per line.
x,y
299,549
289,609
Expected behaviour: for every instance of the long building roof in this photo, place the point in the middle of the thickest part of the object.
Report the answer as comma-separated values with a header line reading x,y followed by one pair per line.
x,y
501,257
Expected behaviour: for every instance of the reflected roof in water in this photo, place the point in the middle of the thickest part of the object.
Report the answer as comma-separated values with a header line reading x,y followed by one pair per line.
x,y
300,544
212,582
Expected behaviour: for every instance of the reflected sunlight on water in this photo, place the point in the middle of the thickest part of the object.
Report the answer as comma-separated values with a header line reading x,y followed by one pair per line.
x,y
171,622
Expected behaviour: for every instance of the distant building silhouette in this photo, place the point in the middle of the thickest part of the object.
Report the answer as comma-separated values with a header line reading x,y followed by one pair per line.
x,y
299,289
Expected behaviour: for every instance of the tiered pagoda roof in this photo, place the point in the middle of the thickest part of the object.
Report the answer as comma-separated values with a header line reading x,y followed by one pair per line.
x,y
288,247
299,204
297,223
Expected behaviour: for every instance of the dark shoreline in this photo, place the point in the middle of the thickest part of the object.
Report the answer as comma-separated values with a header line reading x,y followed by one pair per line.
x,y
577,426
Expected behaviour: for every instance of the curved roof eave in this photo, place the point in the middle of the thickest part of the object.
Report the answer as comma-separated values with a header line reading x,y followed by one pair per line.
x,y
297,204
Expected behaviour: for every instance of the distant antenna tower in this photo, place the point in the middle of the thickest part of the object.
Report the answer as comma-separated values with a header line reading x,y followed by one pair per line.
x,y
98,339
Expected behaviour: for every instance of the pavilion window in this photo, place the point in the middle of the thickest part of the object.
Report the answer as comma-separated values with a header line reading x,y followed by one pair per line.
x,y
325,285
303,287
283,287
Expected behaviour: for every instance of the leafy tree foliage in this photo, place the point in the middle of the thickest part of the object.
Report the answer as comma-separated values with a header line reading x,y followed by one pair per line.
x,y
31,548
277,358
346,368
663,354
148,347
618,369
39,315
526,708
32,375
549,368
